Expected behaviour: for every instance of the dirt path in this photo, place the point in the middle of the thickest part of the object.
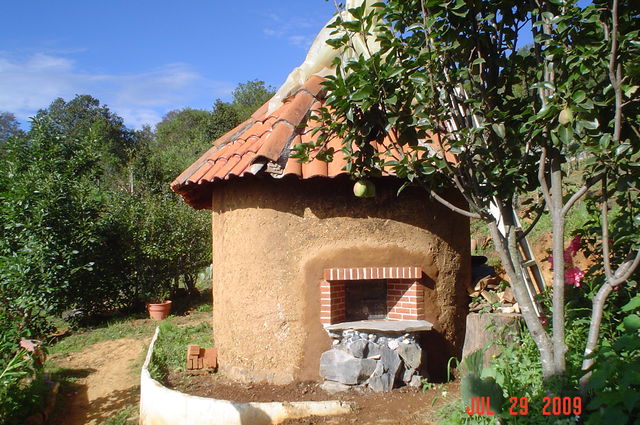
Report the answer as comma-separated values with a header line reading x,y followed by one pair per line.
x,y
107,376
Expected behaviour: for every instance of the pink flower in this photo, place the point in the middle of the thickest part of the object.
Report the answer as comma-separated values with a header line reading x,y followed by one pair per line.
x,y
574,246
570,252
567,255
573,276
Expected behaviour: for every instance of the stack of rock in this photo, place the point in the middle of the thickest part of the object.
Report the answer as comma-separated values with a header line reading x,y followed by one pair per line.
x,y
370,360
489,298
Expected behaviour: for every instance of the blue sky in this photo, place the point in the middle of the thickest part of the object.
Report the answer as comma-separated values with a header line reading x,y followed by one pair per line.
x,y
144,58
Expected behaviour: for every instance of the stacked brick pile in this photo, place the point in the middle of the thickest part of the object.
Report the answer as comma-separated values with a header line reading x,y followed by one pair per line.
x,y
201,358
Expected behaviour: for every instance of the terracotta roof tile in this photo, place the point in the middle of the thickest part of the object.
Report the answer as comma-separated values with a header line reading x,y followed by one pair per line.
x,y
276,140
201,172
213,172
242,165
265,138
230,165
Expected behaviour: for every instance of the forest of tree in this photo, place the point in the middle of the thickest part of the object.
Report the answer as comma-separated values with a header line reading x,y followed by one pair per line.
x,y
88,220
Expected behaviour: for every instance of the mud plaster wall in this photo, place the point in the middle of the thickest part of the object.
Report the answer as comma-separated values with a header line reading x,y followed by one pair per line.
x,y
273,238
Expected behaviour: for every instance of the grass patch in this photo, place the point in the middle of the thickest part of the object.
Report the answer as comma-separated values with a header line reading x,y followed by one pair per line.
x,y
204,308
169,351
122,417
454,414
120,328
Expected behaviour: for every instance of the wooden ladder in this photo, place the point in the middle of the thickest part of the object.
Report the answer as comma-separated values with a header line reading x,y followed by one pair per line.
x,y
534,281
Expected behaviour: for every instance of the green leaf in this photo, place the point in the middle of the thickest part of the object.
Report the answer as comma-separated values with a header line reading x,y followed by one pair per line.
x,y
630,90
630,399
589,125
579,96
622,148
543,84
634,304
499,129
403,187
631,322
363,93
565,133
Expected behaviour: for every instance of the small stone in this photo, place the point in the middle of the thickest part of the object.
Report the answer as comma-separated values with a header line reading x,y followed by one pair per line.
x,y
416,381
334,387
407,375
411,354
393,344
339,366
372,337
373,349
358,349
376,357
335,342
375,382
384,376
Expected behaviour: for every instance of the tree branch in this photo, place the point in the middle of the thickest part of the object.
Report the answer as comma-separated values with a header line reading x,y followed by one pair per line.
x,y
542,178
626,269
453,207
580,193
615,72
524,234
604,213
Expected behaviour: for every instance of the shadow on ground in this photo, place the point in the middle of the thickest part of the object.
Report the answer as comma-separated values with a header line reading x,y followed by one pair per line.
x,y
74,408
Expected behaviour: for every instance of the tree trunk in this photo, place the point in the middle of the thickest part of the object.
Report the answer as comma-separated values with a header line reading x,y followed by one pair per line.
x,y
510,260
594,332
557,220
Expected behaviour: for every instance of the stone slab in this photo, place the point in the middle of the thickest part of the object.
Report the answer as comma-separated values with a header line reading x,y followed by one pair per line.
x,y
399,326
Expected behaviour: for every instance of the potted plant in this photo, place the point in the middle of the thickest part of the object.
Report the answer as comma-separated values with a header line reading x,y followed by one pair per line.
x,y
160,308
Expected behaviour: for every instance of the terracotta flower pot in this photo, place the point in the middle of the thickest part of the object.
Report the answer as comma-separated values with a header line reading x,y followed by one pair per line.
x,y
159,311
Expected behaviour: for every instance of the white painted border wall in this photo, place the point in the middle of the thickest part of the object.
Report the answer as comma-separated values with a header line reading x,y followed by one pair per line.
x,y
161,406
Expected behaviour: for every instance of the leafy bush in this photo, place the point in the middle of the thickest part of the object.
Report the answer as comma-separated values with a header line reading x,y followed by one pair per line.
x,y
22,388
516,369
615,382
68,242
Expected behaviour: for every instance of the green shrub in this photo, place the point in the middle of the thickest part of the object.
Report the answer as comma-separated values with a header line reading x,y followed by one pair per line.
x,y
615,382
23,389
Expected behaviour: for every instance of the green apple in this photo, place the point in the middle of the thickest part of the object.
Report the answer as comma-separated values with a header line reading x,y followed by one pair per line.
x,y
364,188
566,116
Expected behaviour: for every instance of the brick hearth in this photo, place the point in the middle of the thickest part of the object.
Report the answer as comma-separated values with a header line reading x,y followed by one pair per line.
x,y
405,292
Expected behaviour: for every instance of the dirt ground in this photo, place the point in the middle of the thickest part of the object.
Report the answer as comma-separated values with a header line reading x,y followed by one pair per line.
x,y
401,406
106,381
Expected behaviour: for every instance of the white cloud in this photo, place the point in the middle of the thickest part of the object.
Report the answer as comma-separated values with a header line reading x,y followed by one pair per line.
x,y
30,83
301,40
298,31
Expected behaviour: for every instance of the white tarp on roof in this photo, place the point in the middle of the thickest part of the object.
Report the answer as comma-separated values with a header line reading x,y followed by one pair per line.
x,y
321,55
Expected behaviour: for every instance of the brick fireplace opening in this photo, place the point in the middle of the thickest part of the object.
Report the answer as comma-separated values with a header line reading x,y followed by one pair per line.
x,y
371,293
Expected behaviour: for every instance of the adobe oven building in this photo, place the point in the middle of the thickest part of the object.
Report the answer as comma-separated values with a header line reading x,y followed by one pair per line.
x,y
294,250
